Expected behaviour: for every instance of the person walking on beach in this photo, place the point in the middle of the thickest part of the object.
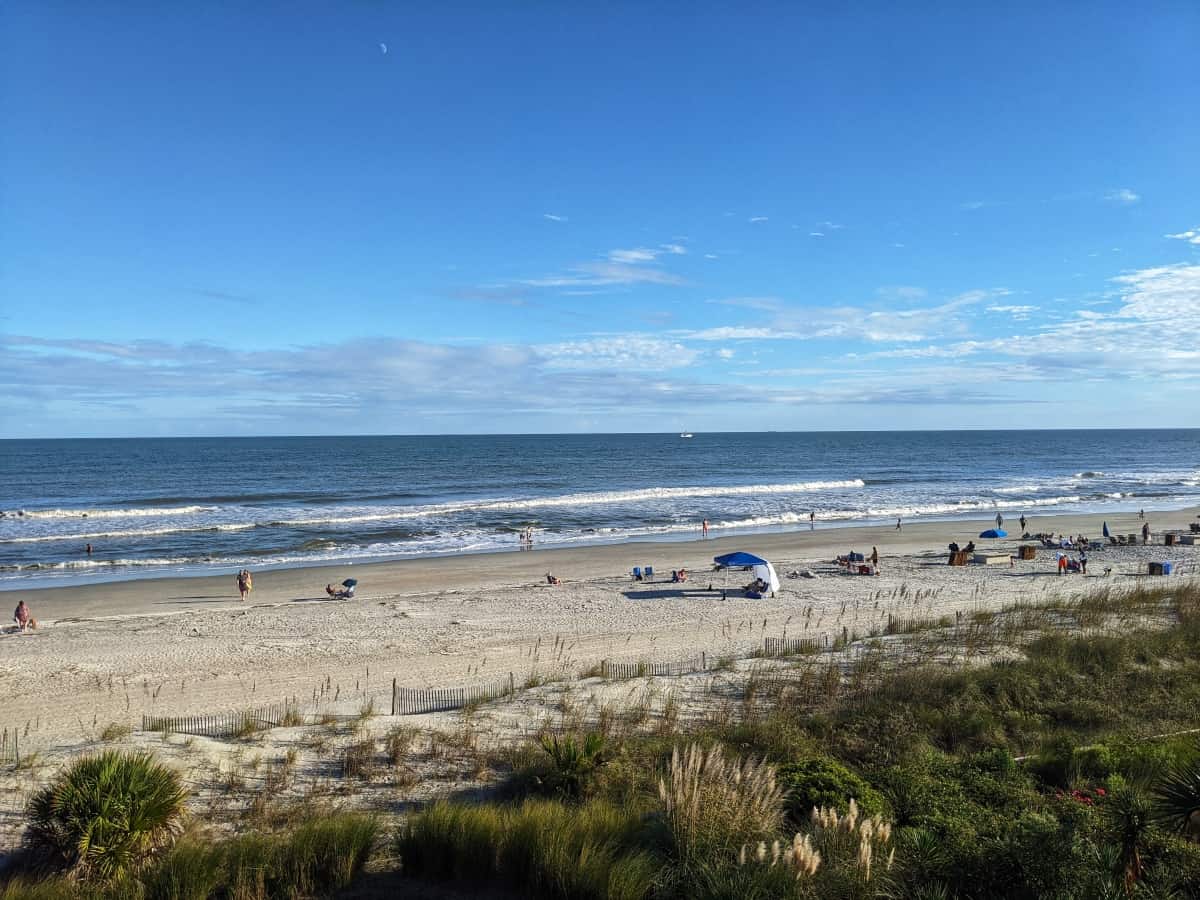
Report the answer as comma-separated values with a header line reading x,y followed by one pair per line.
x,y
1141,514
999,520
245,583
704,528
898,528
812,521
1082,562
21,616
875,559
1022,521
1146,533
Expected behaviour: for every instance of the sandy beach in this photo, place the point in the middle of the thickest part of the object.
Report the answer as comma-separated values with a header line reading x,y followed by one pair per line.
x,y
113,652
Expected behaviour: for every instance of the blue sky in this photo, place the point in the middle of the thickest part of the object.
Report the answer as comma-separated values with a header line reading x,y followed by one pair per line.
x,y
375,218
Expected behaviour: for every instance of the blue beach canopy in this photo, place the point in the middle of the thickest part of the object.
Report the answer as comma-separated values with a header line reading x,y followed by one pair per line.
x,y
739,559
350,582
1106,534
993,533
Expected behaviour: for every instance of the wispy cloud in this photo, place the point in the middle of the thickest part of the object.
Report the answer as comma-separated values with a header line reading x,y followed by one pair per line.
x,y
624,353
553,218
674,249
830,226
1017,312
1192,236
711,256
605,274
1123,196
816,234
636,255
757,219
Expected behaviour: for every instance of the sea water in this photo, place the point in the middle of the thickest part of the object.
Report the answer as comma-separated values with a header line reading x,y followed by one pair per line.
x,y
152,507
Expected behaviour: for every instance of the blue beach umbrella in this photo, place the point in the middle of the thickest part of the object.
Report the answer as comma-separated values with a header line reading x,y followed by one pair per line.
x,y
1106,534
350,582
993,533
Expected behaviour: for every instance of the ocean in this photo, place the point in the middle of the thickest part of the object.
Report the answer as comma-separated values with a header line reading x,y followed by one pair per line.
x,y
154,507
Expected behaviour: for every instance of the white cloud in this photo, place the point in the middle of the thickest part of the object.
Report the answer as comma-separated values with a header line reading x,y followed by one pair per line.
x,y
554,218
758,218
1017,312
816,234
604,274
1124,196
711,256
674,249
725,353
1192,236
636,255
736,333
830,226
626,353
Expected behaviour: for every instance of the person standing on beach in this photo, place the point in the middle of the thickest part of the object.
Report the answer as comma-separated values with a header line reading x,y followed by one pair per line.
x,y
898,528
704,528
875,559
88,549
1022,521
1141,514
999,520
812,521
245,583
1146,533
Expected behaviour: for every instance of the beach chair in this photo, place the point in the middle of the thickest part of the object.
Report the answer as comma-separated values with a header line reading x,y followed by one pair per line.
x,y
649,572
637,573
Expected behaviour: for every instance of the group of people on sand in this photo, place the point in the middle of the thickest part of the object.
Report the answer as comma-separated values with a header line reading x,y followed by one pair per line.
x,y
245,583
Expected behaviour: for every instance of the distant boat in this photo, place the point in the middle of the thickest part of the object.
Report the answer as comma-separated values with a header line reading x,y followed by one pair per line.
x,y
685,434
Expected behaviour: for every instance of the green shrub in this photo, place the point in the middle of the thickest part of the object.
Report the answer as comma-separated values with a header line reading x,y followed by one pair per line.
x,y
823,781
107,815
1095,763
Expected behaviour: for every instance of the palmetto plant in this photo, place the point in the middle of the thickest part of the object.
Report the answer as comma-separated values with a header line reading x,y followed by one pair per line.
x,y
1177,796
106,815
573,760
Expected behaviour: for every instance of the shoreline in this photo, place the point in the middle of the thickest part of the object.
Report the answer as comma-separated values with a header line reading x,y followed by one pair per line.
x,y
510,568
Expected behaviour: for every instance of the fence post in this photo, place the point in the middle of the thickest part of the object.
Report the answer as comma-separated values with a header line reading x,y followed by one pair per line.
x,y
512,684
393,696
703,661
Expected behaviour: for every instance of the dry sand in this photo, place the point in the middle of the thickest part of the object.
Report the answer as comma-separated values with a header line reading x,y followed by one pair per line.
x,y
107,654
111,652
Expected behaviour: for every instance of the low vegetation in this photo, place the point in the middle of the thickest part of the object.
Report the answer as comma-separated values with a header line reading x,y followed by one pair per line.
x,y
1062,761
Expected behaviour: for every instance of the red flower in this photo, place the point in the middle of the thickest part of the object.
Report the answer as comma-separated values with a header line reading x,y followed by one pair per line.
x,y
1100,792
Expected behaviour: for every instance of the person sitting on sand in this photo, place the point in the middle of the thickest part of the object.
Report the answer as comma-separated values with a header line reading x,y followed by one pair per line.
x,y
552,579
970,548
21,616
331,590
683,574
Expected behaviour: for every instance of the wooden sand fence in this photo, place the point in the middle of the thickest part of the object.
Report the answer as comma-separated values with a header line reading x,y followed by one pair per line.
x,y
10,747
416,701
227,724
785,646
623,671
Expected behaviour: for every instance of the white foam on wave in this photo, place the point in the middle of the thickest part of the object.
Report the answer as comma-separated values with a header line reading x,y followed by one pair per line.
x,y
134,532
595,498
110,513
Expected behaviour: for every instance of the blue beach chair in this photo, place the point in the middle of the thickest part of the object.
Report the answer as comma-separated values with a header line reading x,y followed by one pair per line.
x,y
637,573
649,572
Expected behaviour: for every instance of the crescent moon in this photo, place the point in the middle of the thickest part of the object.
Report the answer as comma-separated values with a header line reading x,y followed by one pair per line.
x,y
383,47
